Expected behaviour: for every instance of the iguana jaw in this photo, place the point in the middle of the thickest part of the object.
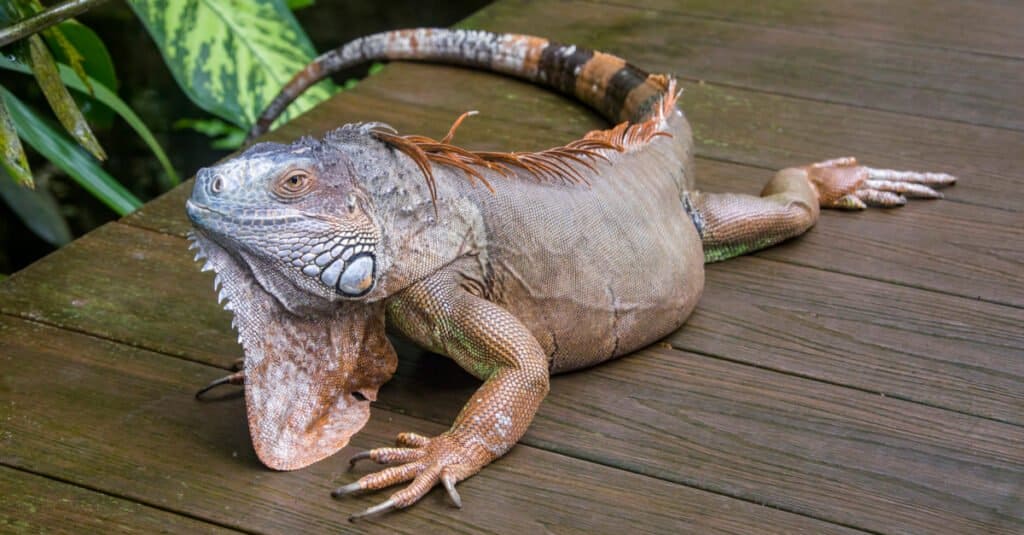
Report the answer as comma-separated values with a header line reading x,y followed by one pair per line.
x,y
309,379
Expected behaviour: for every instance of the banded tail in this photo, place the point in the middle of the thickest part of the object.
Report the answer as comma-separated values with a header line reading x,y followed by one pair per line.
x,y
608,84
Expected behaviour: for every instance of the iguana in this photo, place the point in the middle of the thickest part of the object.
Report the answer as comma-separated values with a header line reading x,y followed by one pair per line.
x,y
516,265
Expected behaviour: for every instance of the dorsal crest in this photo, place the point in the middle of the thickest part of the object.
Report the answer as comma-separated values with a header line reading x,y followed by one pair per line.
x,y
555,165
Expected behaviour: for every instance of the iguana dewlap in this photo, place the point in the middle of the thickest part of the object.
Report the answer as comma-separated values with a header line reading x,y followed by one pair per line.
x,y
515,265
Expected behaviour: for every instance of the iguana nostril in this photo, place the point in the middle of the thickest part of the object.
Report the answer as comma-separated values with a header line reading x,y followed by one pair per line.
x,y
217,185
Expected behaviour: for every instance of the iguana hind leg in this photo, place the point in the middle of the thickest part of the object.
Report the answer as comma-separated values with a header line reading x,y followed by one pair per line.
x,y
732,224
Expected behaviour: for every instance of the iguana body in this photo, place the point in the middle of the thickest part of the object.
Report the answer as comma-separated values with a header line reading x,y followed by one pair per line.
x,y
515,265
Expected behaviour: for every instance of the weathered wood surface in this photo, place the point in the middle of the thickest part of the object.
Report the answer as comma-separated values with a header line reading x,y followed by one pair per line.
x,y
30,503
981,89
867,376
196,458
992,27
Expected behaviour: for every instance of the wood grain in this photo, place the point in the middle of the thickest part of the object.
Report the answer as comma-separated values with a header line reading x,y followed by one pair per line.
x,y
985,27
860,459
594,416
982,89
865,376
34,504
900,342
123,419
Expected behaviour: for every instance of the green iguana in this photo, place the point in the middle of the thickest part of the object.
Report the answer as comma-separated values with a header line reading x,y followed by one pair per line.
x,y
516,265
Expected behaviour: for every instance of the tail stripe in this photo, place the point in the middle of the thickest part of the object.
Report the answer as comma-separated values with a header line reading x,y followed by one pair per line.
x,y
619,91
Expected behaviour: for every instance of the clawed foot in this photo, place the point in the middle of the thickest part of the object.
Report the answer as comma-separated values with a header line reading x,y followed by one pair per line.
x,y
425,461
237,378
841,183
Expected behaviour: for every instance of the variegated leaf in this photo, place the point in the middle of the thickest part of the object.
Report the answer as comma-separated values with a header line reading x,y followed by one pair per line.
x,y
63,105
231,56
13,153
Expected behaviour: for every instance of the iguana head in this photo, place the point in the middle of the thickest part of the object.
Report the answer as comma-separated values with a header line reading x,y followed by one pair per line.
x,y
296,246
296,212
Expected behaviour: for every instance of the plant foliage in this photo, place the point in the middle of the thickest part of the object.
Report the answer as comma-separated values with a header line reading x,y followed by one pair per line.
x,y
231,56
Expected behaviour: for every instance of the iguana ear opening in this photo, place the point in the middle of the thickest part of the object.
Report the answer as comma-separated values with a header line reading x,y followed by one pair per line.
x,y
309,390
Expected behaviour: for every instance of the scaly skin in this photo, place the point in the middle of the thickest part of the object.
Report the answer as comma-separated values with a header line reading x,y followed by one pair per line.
x,y
503,262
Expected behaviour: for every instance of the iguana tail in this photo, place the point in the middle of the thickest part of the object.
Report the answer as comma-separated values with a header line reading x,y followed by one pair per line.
x,y
606,83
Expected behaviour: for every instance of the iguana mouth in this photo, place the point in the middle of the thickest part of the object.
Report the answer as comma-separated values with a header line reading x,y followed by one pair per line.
x,y
200,214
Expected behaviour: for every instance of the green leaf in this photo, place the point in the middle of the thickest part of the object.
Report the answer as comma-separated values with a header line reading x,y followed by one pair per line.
x,y
38,209
14,161
110,99
64,107
296,5
65,52
231,57
66,155
78,40
97,61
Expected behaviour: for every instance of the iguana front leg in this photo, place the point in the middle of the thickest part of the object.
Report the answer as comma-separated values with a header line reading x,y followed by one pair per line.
x,y
491,344
733,224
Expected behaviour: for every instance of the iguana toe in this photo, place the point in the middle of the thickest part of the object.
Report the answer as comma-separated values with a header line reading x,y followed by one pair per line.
x,y
433,460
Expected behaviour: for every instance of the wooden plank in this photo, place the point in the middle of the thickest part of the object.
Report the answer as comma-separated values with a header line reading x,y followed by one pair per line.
x,y
860,459
982,89
758,403
34,504
123,420
987,27
892,340
947,247
127,286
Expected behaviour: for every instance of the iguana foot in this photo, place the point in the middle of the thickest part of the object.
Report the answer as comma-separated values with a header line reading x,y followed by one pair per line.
x,y
425,461
842,183
237,378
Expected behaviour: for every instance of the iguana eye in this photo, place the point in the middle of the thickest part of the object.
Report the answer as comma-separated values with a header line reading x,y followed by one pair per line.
x,y
294,184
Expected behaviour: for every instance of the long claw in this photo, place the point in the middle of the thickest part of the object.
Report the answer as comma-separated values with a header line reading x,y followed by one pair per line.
x,y
387,456
376,509
236,378
356,458
411,440
449,485
345,490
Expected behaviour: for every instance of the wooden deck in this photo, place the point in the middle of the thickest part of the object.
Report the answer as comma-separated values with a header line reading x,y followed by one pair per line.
x,y
867,377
